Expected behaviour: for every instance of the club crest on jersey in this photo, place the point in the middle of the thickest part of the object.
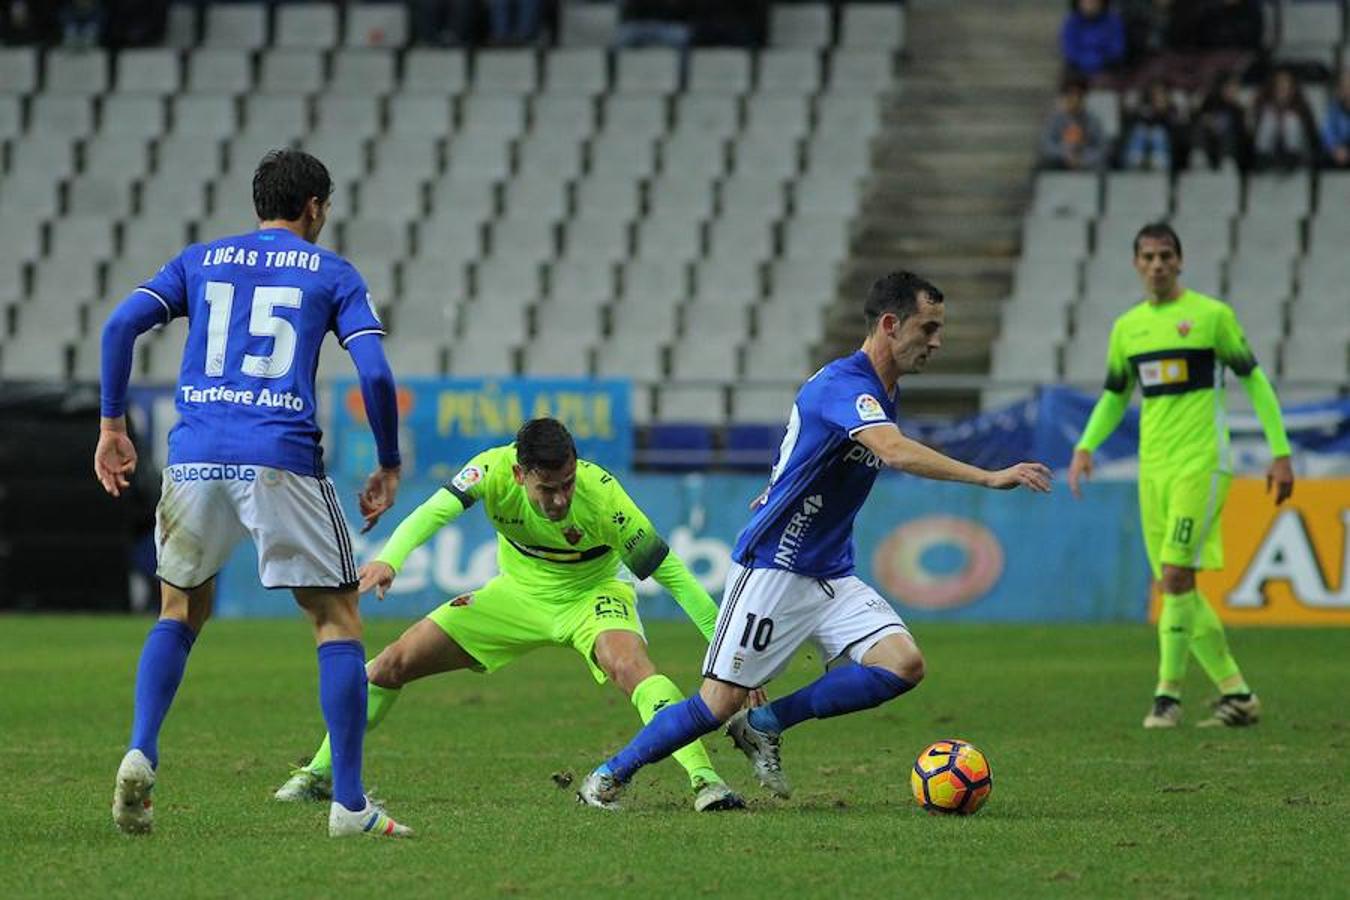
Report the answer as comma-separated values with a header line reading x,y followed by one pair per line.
x,y
869,408
467,478
1184,327
573,534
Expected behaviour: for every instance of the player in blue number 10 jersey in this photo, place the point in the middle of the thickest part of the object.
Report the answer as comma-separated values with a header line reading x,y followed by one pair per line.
x,y
244,459
792,577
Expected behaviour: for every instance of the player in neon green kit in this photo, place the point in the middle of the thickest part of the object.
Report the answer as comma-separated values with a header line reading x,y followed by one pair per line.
x,y
563,526
1175,346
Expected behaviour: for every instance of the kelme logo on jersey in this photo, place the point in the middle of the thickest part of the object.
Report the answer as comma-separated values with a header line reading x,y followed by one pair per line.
x,y
869,408
467,478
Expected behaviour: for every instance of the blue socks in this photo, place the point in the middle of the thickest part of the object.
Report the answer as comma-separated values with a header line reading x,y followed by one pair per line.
x,y
163,659
342,694
839,691
668,731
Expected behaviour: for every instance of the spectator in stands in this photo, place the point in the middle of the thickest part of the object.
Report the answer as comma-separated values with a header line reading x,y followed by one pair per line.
x,y
514,22
1221,125
654,23
1155,132
1073,138
1285,136
1092,39
1336,127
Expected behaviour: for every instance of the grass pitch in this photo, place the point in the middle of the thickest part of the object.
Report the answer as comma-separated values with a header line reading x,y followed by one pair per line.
x,y
1085,803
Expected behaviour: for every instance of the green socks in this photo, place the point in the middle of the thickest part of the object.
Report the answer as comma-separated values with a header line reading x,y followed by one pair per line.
x,y
1176,623
653,695
1188,624
379,701
1210,646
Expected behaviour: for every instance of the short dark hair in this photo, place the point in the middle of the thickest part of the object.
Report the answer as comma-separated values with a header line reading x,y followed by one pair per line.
x,y
284,181
544,445
1158,231
897,293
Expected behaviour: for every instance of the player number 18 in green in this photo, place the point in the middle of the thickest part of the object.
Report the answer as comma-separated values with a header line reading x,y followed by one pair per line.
x,y
1181,534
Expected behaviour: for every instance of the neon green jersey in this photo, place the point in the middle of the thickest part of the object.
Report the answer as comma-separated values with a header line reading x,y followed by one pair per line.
x,y
602,529
1176,352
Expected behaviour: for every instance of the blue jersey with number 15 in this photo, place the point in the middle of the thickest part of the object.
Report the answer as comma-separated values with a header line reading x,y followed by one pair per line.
x,y
259,306
804,521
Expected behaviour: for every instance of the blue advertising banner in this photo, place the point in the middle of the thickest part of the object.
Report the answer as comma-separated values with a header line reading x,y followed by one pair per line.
x,y
443,422
937,551
1046,428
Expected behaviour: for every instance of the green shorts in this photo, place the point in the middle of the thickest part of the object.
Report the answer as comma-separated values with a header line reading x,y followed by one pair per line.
x,y
502,621
1180,516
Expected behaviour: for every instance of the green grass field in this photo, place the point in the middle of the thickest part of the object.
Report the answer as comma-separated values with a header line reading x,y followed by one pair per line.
x,y
1085,803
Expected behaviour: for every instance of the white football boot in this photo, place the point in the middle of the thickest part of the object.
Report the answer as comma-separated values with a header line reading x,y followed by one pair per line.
x,y
372,820
1165,713
1233,712
601,790
132,810
715,796
303,786
763,750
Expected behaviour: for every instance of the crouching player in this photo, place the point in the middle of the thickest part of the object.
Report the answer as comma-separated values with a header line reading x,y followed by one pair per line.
x,y
563,526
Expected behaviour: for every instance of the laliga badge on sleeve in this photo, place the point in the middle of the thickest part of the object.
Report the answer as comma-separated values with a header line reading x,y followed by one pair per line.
x,y
467,478
869,408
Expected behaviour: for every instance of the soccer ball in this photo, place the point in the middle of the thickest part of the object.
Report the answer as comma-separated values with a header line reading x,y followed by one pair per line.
x,y
951,776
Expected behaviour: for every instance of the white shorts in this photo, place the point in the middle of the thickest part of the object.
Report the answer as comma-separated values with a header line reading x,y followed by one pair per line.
x,y
295,521
768,613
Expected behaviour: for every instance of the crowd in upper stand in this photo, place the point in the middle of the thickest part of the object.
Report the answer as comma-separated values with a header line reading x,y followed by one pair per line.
x,y
1188,85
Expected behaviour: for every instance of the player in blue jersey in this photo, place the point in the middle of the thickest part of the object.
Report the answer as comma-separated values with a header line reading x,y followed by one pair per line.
x,y
792,577
244,459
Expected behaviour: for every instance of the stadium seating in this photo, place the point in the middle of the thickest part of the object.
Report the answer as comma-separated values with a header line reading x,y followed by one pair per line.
x,y
574,210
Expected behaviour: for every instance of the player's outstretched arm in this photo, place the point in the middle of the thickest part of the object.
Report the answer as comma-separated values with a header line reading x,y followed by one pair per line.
x,y
674,576
115,455
442,508
908,455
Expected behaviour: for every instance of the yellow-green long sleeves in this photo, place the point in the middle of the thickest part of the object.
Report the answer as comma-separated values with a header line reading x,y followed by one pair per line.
x,y
1106,415
1267,406
441,509
675,577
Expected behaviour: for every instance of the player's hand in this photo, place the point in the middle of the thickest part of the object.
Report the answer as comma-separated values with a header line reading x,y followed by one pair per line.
x,y
1032,476
1280,475
757,697
1080,470
114,457
377,575
380,491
